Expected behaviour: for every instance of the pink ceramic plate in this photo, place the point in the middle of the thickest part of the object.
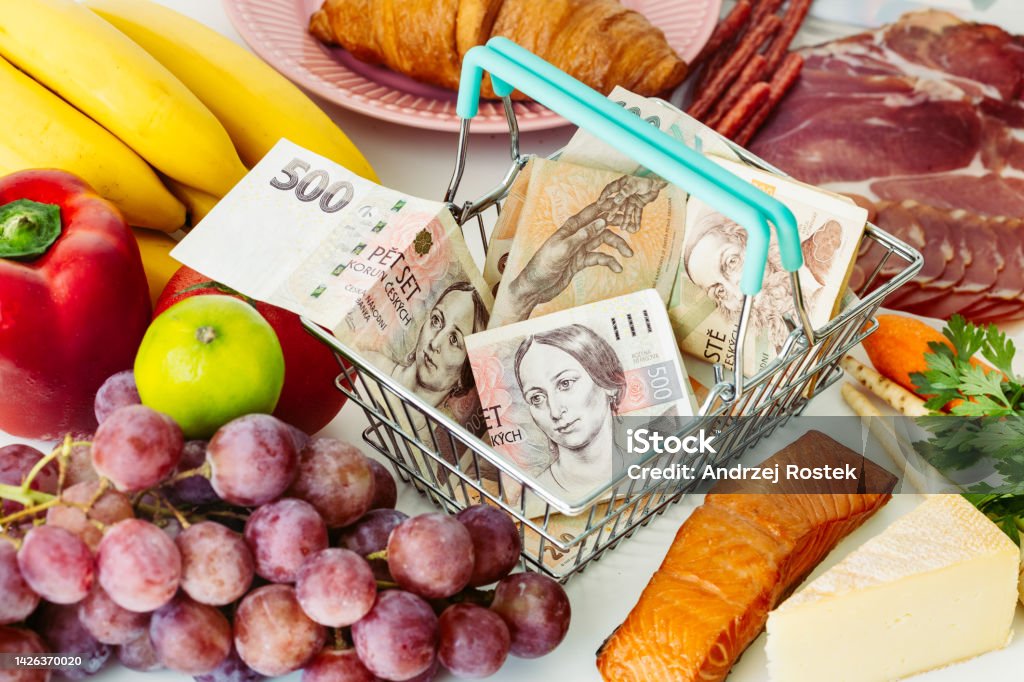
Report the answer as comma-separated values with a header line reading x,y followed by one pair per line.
x,y
276,30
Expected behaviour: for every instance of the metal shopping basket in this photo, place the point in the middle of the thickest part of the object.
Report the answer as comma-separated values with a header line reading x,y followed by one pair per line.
x,y
448,464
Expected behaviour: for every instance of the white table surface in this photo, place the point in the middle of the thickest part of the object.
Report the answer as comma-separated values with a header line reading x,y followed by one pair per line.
x,y
420,162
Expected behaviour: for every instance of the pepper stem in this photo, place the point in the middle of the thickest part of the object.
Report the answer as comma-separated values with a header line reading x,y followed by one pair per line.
x,y
28,228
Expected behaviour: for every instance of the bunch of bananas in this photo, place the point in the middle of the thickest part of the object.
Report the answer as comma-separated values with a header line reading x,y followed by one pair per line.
x,y
160,114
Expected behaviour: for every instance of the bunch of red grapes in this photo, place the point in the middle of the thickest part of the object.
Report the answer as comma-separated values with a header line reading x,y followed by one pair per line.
x,y
257,553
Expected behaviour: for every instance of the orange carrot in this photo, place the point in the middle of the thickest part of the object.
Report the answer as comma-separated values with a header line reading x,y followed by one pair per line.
x,y
898,346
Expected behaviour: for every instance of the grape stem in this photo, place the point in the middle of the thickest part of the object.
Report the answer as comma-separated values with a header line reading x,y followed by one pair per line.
x,y
33,501
472,595
386,584
101,489
382,554
340,642
202,470
28,498
227,514
174,510
62,469
64,449
13,540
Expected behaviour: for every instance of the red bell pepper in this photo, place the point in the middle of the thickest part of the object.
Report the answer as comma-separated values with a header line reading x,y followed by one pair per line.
x,y
74,303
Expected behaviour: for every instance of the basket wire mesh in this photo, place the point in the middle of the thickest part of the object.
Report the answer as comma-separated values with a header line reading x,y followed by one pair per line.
x,y
454,469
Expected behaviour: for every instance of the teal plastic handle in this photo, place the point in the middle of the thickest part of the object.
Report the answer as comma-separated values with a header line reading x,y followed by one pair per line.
x,y
775,211
663,155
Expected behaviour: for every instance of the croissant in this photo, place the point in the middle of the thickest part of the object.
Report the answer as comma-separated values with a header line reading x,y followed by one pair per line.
x,y
600,42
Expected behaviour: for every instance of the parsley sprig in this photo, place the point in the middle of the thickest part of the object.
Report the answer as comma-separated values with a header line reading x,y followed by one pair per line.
x,y
986,397
952,376
1006,511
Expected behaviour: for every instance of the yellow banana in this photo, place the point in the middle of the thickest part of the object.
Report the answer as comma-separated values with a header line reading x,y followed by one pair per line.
x,y
257,105
100,71
156,259
40,130
197,202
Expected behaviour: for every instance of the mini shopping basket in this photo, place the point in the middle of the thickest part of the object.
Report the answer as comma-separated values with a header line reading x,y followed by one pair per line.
x,y
563,539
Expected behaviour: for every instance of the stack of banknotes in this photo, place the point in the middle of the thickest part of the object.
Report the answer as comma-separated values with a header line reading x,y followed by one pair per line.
x,y
598,276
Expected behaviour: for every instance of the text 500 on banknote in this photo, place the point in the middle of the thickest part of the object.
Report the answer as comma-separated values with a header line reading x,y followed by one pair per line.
x,y
310,185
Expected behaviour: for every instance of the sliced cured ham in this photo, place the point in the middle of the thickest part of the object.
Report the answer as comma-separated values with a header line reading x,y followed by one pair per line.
x,y
739,555
925,111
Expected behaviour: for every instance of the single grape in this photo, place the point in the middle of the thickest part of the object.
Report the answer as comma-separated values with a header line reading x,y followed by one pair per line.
x,y
56,564
60,628
496,543
299,437
336,479
139,654
385,490
474,641
281,535
536,610
18,599
136,447
79,465
231,669
398,637
194,490
16,461
337,665
370,534
190,637
273,635
431,555
107,509
430,674
139,566
252,460
117,391
216,565
336,587
22,641
108,622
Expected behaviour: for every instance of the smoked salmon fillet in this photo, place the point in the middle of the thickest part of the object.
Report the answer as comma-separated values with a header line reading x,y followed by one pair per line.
x,y
734,559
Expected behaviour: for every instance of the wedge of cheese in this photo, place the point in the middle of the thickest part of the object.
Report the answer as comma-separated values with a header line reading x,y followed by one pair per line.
x,y
936,587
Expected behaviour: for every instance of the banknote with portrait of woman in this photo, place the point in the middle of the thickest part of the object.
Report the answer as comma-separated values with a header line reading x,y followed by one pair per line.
x,y
388,273
706,301
561,393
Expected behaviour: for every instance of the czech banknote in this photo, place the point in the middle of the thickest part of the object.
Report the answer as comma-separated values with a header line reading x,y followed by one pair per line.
x,y
388,273
585,149
586,234
560,393
706,303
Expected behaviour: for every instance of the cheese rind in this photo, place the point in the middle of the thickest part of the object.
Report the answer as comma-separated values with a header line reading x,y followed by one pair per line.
x,y
936,587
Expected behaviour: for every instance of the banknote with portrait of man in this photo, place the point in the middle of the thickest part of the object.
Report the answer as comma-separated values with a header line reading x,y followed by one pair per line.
x,y
706,302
